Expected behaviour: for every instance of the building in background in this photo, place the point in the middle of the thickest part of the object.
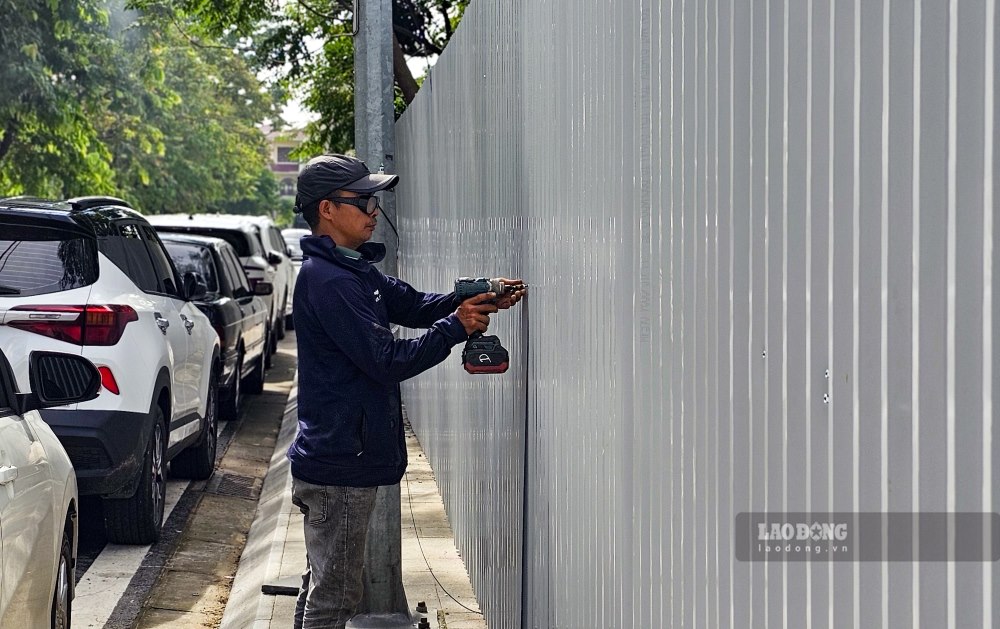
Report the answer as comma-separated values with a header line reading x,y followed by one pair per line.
x,y
280,144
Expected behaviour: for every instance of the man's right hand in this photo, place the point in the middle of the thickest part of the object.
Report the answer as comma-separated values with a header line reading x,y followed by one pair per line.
x,y
475,314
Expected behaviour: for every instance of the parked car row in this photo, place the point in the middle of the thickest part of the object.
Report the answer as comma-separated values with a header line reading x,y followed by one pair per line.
x,y
174,322
261,251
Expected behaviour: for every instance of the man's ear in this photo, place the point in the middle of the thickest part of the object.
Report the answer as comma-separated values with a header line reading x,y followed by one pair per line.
x,y
328,206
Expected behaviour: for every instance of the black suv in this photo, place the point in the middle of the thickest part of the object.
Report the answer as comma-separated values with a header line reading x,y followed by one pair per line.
x,y
238,315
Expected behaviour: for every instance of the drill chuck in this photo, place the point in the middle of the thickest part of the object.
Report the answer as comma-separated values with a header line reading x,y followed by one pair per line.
x,y
466,287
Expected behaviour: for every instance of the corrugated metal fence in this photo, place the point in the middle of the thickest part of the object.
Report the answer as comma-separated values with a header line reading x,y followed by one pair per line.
x,y
760,240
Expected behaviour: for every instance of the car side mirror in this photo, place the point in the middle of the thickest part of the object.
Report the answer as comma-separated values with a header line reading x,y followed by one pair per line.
x,y
194,286
274,258
263,288
58,379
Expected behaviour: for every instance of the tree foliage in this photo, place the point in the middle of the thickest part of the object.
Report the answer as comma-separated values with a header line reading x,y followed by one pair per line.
x,y
307,44
104,100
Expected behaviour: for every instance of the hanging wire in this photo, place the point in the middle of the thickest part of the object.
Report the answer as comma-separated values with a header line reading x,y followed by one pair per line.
x,y
409,499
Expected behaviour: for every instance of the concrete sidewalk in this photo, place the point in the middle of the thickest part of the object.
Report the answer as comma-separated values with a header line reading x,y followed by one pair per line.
x,y
433,571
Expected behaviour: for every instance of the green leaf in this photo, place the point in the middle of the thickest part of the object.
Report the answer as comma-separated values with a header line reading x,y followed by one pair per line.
x,y
31,51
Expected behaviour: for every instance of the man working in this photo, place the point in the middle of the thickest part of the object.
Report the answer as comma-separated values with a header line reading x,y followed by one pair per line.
x,y
350,437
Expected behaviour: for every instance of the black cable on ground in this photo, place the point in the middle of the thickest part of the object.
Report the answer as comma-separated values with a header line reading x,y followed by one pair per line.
x,y
409,500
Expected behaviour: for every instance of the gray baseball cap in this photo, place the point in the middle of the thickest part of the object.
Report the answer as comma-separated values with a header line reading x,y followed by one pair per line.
x,y
325,174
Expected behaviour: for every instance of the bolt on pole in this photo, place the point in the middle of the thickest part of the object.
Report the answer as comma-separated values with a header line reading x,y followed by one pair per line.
x,y
384,601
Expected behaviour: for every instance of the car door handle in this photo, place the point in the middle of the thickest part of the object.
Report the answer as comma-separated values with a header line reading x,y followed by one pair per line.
x,y
7,474
161,322
188,323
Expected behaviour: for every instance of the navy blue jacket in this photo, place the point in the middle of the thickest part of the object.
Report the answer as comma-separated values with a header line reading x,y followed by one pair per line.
x,y
350,365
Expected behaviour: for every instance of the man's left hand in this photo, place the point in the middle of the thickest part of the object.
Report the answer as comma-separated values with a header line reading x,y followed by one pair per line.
x,y
509,299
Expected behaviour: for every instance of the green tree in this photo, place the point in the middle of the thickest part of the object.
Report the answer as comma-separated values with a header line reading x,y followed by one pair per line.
x,y
111,101
206,108
263,201
52,54
308,44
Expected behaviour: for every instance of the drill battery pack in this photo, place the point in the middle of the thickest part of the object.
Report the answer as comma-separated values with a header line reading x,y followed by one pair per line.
x,y
485,354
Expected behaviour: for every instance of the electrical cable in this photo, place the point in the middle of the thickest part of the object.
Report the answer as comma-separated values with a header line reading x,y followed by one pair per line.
x,y
389,220
409,500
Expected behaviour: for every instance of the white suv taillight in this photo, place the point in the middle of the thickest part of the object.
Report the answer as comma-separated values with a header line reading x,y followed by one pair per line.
x,y
80,325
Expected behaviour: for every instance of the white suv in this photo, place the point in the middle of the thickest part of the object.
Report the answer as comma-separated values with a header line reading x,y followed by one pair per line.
x,y
90,276
260,260
271,236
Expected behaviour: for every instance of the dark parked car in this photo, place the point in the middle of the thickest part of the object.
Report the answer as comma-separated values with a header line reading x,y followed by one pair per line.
x,y
238,314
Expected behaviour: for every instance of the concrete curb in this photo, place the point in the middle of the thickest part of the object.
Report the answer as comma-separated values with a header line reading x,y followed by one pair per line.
x,y
261,558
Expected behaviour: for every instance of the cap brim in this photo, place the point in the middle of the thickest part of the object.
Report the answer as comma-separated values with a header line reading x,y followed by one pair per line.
x,y
372,183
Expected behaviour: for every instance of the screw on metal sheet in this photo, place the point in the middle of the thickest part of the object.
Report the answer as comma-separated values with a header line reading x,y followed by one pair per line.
x,y
763,354
826,374
826,398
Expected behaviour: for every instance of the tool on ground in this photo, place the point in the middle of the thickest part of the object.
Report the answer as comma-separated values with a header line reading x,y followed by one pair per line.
x,y
482,353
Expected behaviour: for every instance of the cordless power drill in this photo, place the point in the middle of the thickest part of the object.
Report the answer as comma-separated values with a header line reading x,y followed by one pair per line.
x,y
484,354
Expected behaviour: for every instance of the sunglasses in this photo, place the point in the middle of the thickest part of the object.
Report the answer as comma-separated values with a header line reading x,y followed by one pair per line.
x,y
368,205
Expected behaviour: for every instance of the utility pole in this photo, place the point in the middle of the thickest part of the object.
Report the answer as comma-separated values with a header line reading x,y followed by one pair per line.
x,y
374,110
384,603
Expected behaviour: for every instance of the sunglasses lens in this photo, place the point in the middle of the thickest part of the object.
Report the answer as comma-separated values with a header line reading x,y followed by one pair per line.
x,y
372,204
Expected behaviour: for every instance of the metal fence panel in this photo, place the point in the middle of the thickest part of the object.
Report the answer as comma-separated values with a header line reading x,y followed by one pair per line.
x,y
760,242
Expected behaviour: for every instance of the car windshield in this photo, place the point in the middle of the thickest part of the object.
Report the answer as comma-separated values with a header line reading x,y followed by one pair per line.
x,y
189,258
39,261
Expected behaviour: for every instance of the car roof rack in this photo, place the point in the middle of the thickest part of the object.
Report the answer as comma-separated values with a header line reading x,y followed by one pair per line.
x,y
84,203
25,197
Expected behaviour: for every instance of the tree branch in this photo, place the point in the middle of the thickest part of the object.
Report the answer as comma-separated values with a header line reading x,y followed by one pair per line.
x,y
191,40
316,12
402,30
444,7
404,78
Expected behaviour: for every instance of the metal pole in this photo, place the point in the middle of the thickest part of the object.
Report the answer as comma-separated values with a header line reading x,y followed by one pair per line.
x,y
374,111
384,602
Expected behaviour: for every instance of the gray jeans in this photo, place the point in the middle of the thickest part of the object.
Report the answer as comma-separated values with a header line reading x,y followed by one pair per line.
x,y
336,529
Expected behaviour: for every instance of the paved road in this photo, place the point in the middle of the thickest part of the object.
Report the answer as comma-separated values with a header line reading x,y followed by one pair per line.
x,y
115,582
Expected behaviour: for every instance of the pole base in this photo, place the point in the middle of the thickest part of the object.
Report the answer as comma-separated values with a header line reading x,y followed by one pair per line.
x,y
380,621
